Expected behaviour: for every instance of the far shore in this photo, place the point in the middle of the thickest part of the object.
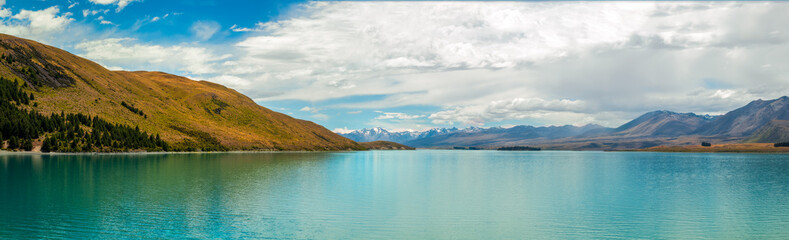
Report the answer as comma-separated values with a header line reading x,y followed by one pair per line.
x,y
722,148
716,148
6,152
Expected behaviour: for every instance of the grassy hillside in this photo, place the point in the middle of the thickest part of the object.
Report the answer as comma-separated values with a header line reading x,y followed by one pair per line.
x,y
187,113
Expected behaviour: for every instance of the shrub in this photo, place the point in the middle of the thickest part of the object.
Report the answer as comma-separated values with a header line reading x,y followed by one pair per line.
x,y
706,144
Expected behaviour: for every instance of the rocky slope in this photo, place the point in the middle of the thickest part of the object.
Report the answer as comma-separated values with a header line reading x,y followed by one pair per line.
x,y
662,123
744,121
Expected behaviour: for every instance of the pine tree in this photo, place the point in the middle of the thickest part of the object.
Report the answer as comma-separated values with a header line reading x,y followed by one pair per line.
x,y
13,143
46,146
28,145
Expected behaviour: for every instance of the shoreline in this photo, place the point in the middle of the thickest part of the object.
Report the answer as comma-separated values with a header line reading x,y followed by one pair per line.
x,y
5,152
722,148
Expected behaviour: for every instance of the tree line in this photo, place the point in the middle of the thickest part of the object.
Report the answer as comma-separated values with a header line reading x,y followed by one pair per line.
x,y
65,132
133,109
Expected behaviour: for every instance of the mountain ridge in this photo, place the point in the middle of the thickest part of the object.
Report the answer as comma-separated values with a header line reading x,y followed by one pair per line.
x,y
760,121
186,112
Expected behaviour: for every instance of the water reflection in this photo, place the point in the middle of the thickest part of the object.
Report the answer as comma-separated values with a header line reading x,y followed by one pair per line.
x,y
409,194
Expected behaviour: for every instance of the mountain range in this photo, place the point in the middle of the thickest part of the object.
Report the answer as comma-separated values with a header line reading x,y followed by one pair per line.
x,y
759,121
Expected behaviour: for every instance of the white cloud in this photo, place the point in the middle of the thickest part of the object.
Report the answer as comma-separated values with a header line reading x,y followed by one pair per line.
x,y
394,115
4,13
514,109
343,130
618,59
480,62
120,3
204,30
309,109
124,51
40,25
230,81
88,12
723,93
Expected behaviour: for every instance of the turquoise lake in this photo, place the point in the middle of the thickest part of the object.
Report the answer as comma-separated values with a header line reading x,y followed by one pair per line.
x,y
425,194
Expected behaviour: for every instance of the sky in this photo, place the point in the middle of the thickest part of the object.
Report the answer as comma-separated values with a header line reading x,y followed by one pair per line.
x,y
419,65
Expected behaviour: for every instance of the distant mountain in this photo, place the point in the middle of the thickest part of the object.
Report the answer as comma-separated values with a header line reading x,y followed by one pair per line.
x,y
663,123
498,136
759,121
744,121
472,136
381,134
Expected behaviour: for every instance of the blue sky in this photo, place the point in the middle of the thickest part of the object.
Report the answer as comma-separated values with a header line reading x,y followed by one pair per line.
x,y
418,65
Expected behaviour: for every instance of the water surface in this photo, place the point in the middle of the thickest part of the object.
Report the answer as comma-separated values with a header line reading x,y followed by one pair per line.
x,y
396,194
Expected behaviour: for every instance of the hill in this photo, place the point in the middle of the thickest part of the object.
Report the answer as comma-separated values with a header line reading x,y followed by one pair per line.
x,y
190,114
662,123
744,121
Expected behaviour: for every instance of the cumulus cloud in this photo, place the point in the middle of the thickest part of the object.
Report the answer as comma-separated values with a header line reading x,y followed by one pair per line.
x,y
518,108
616,59
343,130
41,24
126,52
477,62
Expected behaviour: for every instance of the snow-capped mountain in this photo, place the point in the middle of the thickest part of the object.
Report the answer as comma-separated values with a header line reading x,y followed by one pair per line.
x,y
429,137
381,134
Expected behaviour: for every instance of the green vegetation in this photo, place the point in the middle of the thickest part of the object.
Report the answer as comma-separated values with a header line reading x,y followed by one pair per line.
x,y
100,136
519,148
65,132
706,144
204,141
782,144
133,109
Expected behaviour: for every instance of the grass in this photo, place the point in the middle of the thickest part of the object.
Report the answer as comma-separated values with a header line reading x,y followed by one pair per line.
x,y
232,119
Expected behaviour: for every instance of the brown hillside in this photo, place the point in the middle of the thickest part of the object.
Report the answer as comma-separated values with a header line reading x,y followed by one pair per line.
x,y
179,109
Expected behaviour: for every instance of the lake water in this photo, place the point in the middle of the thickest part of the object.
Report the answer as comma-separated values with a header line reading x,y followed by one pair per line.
x,y
426,194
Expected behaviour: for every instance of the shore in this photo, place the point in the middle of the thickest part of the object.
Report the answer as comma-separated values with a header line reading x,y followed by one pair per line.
x,y
723,148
